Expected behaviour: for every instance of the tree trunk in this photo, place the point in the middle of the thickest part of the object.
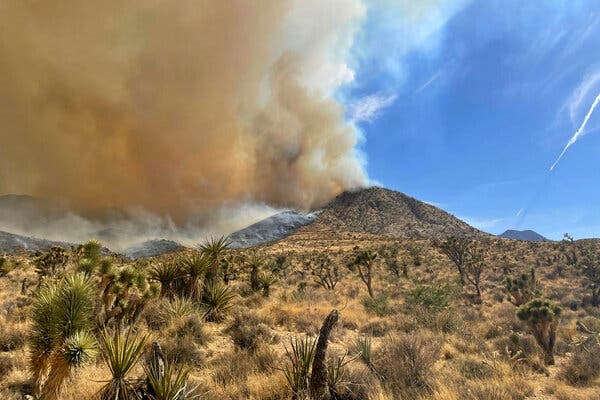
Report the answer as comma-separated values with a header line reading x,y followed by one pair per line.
x,y
318,376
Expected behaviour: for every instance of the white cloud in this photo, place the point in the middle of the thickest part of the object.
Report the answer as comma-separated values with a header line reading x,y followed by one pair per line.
x,y
369,108
576,100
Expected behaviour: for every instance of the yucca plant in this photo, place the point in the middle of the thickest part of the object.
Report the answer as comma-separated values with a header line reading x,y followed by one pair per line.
x,y
218,300
213,249
301,355
168,383
178,308
363,345
193,267
120,352
62,316
169,275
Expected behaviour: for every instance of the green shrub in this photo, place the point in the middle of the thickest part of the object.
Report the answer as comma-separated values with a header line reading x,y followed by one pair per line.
x,y
431,297
378,305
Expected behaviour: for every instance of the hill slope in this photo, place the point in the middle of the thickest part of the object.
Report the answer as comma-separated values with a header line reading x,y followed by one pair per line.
x,y
386,212
271,229
526,235
11,243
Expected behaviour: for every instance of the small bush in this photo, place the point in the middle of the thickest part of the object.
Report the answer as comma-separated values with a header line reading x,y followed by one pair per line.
x,y
431,297
404,362
583,366
11,337
378,305
248,331
475,369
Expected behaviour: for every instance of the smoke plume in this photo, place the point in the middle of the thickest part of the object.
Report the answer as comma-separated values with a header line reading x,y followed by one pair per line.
x,y
175,107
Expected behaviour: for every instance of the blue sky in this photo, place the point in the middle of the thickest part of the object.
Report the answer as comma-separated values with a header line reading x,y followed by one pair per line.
x,y
467,104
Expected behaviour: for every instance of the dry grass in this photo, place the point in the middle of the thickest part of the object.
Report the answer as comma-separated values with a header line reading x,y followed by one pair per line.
x,y
420,350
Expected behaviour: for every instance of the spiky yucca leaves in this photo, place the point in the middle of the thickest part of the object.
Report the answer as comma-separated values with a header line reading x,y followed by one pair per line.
x,y
218,300
267,279
169,383
169,275
62,315
214,249
78,350
178,308
301,355
193,267
120,352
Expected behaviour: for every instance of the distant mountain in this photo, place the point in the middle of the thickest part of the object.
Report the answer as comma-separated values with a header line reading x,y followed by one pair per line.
x,y
11,243
386,212
271,229
526,235
151,248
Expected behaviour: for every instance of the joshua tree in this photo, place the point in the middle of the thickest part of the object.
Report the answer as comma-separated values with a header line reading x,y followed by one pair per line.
x,y
542,316
364,264
213,249
62,316
522,288
473,269
51,262
326,273
125,293
457,250
590,264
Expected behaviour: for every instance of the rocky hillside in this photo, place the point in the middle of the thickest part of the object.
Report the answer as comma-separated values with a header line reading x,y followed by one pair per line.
x,y
271,229
526,235
11,243
386,212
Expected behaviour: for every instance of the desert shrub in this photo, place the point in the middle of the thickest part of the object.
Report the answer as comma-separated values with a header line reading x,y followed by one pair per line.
x,y
584,365
474,369
431,297
7,363
5,266
376,328
11,337
248,331
234,367
378,305
191,328
183,352
404,363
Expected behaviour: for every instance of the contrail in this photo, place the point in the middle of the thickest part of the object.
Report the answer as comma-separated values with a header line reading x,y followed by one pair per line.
x,y
579,131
